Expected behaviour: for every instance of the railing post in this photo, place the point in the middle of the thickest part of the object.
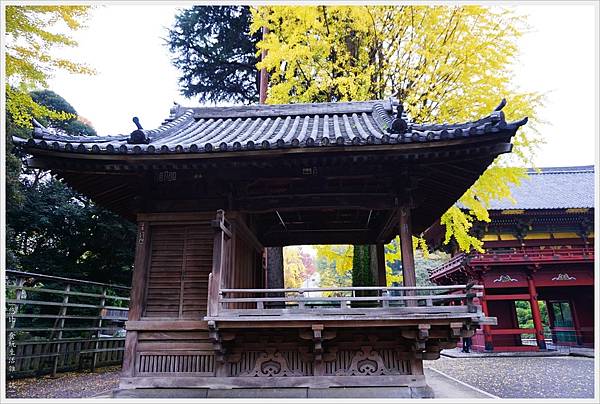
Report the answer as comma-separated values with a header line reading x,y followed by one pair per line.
x,y
301,305
217,263
61,323
471,308
385,294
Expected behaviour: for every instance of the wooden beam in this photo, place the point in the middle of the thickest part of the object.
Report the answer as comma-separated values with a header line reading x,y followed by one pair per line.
x,y
349,236
388,225
518,296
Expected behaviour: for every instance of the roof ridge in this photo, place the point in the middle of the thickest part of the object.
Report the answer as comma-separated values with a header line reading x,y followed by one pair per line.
x,y
561,170
268,110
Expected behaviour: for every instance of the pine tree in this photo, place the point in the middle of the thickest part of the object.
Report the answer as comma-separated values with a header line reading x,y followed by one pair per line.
x,y
216,53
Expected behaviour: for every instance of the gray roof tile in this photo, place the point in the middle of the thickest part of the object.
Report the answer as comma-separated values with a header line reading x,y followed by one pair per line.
x,y
254,127
552,188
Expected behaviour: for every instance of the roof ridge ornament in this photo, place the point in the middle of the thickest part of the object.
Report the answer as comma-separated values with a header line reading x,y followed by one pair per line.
x,y
399,124
138,136
501,105
38,129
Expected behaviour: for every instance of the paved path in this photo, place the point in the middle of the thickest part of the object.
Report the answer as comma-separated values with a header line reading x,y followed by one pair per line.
x,y
445,387
536,377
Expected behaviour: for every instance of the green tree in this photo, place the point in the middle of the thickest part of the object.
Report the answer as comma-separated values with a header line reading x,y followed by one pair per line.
x,y
215,52
525,318
32,33
54,102
57,231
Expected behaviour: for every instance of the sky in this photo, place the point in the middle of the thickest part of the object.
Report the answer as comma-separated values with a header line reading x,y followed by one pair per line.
x,y
125,45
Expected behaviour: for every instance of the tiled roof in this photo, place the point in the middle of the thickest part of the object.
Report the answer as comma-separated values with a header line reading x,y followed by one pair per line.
x,y
553,188
259,127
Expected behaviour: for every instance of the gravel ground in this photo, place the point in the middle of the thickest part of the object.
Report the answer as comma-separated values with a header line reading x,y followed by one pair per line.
x,y
65,385
537,377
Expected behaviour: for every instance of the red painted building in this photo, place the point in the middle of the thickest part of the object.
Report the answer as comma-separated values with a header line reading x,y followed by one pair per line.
x,y
539,249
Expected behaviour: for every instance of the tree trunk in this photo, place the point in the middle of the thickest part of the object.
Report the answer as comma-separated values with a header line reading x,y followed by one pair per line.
x,y
275,279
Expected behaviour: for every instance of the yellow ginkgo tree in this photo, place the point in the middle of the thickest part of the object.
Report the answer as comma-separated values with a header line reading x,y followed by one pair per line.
x,y
446,63
32,34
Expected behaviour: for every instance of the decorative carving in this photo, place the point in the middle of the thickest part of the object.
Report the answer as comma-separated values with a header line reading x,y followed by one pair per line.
x,y
271,364
505,278
366,362
564,277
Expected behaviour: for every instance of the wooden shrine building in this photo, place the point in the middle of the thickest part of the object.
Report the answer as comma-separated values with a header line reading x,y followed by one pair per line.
x,y
212,187
540,248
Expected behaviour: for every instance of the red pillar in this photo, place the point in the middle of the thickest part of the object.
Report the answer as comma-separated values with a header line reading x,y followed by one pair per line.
x,y
487,335
535,313
576,322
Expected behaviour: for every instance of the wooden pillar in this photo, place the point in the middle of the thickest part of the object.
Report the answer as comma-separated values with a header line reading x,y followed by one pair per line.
x,y
381,273
487,335
137,297
406,248
576,322
535,313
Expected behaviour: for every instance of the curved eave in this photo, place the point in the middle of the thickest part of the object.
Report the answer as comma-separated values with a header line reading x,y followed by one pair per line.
x,y
67,150
270,129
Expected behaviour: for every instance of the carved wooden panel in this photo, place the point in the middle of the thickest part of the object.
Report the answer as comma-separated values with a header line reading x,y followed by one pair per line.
x,y
271,363
367,362
200,364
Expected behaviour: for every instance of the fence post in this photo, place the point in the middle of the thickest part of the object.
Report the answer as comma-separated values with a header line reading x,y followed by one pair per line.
x,y
61,323
98,331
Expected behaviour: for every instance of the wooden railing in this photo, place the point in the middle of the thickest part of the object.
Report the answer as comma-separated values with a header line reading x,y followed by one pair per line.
x,y
530,254
55,324
453,263
348,301
514,256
